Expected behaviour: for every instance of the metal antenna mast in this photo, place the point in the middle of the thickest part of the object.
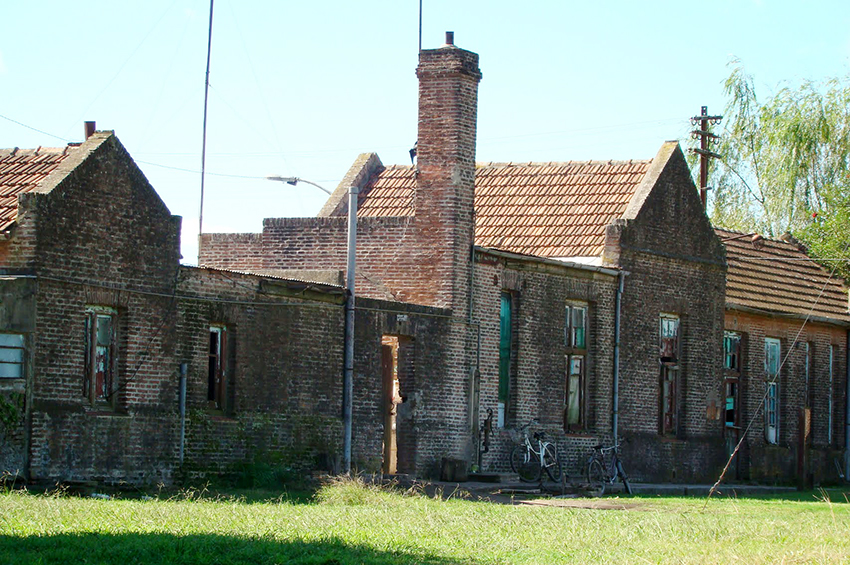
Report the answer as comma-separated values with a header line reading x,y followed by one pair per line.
x,y
420,25
204,142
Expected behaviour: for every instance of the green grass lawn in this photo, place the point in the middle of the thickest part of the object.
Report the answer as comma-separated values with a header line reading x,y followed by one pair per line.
x,y
351,523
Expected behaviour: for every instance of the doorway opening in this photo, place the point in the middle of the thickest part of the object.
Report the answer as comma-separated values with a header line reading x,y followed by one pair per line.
x,y
391,400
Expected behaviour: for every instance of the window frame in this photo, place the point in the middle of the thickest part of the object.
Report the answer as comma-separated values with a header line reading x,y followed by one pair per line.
x,y
93,315
732,378
576,351
830,435
22,364
669,375
217,373
772,408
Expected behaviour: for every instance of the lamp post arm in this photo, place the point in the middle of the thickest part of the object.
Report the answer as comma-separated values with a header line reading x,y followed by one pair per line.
x,y
295,180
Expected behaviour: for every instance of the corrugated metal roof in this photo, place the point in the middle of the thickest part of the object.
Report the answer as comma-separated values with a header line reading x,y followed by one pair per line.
x,y
777,276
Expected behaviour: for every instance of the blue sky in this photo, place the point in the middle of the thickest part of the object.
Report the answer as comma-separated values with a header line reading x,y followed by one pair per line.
x,y
301,88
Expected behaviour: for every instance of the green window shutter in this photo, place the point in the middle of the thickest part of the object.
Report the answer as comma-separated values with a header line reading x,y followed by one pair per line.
x,y
505,347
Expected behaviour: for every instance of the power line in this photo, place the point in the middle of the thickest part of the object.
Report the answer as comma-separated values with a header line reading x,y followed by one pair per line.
x,y
33,129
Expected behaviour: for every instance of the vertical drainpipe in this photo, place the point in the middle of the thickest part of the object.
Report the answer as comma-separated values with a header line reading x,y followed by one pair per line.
x,y
615,408
475,377
348,376
183,370
847,409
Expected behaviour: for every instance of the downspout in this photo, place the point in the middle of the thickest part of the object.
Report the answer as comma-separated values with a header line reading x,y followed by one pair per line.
x,y
475,385
348,375
615,407
847,409
183,370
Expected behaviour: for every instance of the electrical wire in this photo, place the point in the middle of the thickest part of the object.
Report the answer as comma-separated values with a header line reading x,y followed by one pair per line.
x,y
760,408
34,129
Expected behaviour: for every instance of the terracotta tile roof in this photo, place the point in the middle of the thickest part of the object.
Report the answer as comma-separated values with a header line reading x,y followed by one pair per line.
x,y
542,209
776,276
21,170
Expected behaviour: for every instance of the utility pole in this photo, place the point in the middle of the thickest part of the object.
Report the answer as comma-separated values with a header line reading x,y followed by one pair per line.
x,y
705,139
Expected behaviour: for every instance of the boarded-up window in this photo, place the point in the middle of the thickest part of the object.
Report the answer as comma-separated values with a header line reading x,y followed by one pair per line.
x,y
505,354
216,374
772,352
99,380
11,356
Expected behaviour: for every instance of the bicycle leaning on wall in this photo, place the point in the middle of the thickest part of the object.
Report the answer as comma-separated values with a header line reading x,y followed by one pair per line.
x,y
528,462
600,473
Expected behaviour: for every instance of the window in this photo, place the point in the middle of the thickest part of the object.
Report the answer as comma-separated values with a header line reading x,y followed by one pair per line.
x,y
731,377
99,379
669,357
11,356
829,435
807,375
771,400
575,336
216,375
505,353
576,326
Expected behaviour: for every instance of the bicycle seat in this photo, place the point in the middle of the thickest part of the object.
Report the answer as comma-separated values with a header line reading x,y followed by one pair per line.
x,y
597,446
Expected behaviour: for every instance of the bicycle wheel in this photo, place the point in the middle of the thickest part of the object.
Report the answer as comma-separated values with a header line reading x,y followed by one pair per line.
x,y
525,464
550,462
596,476
623,477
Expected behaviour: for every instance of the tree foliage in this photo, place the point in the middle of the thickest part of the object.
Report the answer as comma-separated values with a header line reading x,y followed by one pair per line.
x,y
786,163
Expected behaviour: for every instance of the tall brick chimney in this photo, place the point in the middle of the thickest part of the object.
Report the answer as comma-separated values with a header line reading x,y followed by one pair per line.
x,y
445,181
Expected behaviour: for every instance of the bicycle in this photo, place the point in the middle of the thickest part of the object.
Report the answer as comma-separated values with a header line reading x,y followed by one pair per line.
x,y
598,473
529,463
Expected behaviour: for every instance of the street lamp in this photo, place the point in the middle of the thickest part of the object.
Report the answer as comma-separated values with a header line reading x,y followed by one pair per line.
x,y
348,354
295,180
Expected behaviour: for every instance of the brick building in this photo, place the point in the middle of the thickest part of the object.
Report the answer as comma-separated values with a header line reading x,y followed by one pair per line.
x,y
784,362
590,296
531,259
99,321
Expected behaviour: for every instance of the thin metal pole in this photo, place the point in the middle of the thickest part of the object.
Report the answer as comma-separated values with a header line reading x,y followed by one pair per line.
x,y
420,25
615,408
204,142
348,375
184,367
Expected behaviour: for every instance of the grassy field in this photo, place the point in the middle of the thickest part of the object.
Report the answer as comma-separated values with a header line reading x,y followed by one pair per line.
x,y
353,523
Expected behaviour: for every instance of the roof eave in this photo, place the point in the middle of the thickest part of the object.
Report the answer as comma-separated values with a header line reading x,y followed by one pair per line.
x,y
534,258
788,315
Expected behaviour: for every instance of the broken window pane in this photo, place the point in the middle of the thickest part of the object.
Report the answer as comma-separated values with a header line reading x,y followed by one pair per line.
x,y
99,379
576,326
731,351
669,338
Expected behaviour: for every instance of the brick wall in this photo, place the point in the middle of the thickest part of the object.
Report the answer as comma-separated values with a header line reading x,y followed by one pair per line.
x,y
538,373
676,265
778,462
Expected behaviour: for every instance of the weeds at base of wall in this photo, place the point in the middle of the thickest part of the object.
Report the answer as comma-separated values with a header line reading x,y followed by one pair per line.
x,y
11,411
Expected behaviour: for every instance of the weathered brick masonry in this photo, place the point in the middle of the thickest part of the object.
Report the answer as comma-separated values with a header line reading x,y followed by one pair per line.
x,y
95,236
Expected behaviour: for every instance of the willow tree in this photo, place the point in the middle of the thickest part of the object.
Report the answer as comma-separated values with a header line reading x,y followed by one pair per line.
x,y
786,163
